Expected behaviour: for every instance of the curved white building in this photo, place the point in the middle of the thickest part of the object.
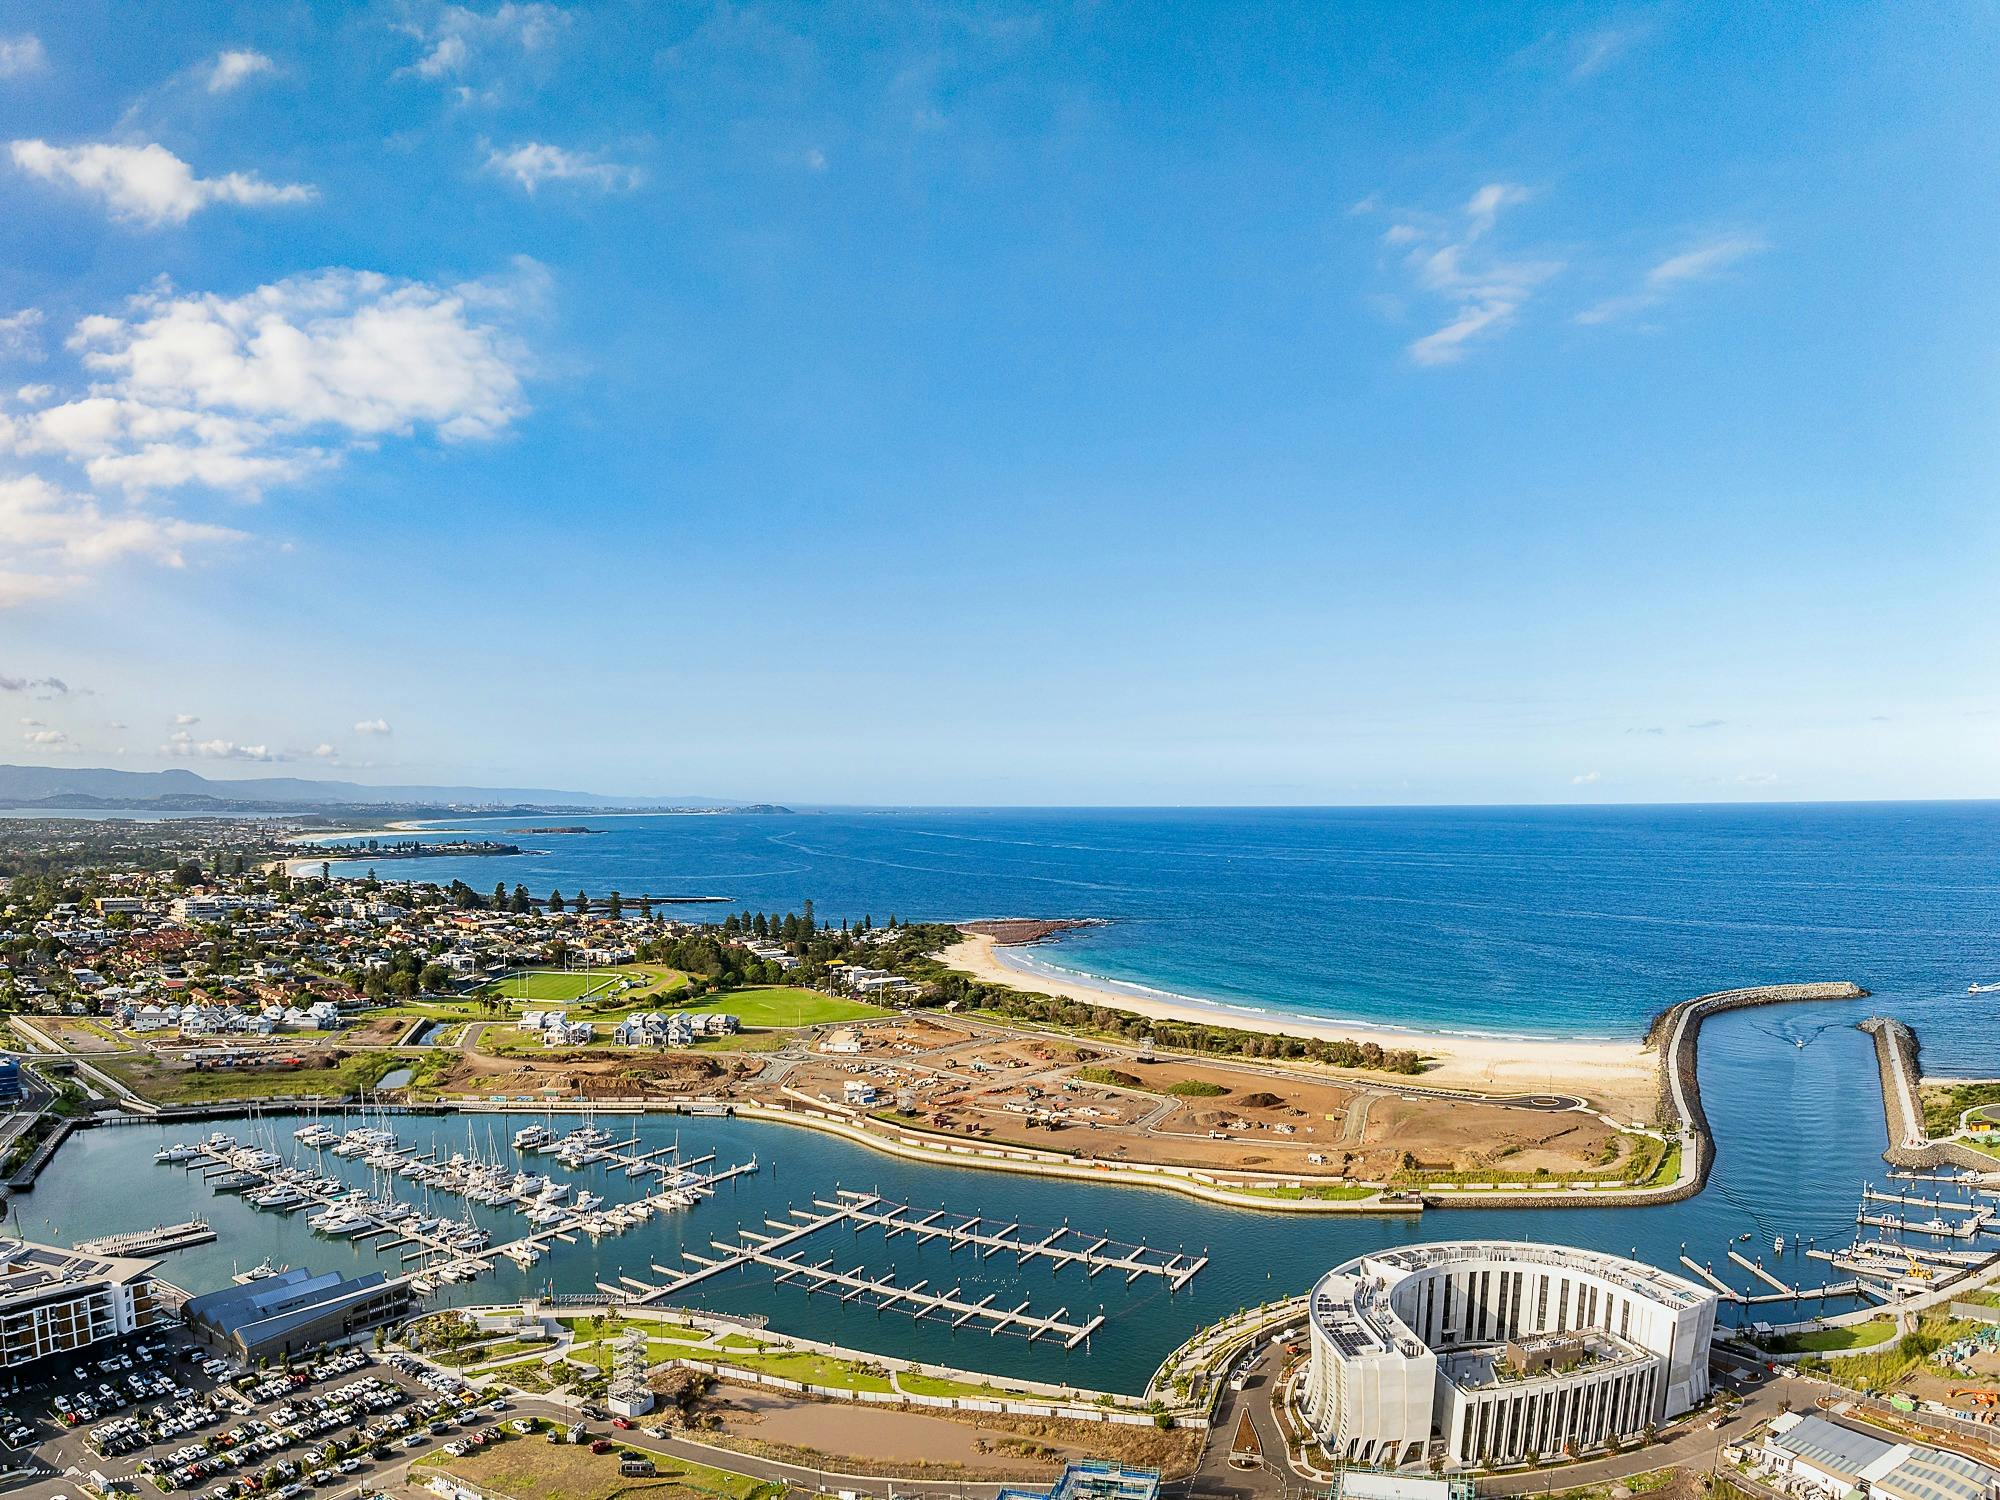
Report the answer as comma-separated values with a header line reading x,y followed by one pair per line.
x,y
1497,1352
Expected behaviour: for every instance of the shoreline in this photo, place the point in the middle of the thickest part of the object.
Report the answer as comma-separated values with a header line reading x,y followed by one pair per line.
x,y
1612,1072
305,866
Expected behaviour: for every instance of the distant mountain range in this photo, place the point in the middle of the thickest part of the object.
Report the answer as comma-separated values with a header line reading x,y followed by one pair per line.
x,y
78,787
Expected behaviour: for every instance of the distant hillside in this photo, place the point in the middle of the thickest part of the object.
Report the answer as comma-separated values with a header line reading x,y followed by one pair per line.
x,y
77,786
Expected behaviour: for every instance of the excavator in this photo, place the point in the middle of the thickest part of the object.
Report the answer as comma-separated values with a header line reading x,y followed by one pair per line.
x,y
1977,1397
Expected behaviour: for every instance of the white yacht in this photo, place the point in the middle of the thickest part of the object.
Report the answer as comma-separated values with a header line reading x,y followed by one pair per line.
x,y
533,1137
315,1135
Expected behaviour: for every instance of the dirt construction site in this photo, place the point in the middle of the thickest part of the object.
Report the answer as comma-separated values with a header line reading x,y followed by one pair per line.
x,y
1114,1106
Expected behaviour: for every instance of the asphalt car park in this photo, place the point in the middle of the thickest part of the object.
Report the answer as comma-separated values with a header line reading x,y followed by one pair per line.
x,y
210,1430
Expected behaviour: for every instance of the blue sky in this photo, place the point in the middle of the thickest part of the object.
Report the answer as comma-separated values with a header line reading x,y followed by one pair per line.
x,y
996,403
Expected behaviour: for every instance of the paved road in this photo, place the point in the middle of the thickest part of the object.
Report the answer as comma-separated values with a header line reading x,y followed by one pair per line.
x,y
1696,1447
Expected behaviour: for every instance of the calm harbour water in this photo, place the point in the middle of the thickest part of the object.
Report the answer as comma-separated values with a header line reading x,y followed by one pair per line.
x,y
1557,921
1767,1097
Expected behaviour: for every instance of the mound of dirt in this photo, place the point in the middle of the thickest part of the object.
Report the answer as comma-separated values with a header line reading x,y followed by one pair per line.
x,y
1260,1100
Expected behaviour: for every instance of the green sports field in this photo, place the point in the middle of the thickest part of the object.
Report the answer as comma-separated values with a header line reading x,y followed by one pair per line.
x,y
782,1005
554,984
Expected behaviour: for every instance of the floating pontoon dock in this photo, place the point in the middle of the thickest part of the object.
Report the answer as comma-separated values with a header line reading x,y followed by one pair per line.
x,y
156,1241
882,1291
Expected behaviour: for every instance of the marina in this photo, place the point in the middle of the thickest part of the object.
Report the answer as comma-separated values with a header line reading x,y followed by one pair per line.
x,y
883,1291
445,1250
1763,1184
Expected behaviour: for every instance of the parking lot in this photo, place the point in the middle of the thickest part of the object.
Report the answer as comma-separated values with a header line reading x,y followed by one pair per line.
x,y
160,1412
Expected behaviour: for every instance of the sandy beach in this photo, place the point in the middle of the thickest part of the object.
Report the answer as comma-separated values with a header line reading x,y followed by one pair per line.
x,y
1620,1076
306,866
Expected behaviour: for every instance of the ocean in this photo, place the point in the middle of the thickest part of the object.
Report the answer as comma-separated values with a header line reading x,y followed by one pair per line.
x,y
1531,921
1574,922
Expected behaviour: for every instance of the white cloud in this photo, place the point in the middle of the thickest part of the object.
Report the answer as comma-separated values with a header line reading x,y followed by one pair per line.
x,y
1700,262
53,539
533,163
17,334
21,54
372,726
148,185
49,739
185,746
232,69
458,38
1585,778
239,393
1450,261
1595,51
325,752
187,719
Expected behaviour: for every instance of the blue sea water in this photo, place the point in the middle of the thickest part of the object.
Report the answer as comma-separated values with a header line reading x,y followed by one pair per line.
x,y
1526,921
1557,921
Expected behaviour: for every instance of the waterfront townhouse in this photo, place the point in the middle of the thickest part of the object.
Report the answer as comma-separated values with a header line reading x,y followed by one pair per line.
x,y
57,1301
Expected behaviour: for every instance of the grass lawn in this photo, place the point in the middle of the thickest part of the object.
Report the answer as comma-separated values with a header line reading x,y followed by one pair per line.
x,y
1832,1340
165,1085
552,984
781,1006
587,1329
646,983
1329,1192
740,1341
1637,1484
813,1369
745,1041
931,1385
533,1469
486,1354
1943,1105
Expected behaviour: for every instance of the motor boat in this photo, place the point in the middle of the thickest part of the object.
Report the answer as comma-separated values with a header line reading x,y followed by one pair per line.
x,y
533,1137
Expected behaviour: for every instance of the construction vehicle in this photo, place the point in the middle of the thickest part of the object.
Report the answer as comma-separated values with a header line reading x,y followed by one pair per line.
x,y
1977,1397
1917,1272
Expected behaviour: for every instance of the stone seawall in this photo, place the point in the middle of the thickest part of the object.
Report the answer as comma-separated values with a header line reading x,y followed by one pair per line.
x,y
1910,1143
1676,1030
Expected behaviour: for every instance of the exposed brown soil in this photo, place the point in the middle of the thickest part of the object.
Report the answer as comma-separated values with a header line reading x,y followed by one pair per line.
x,y
918,1443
